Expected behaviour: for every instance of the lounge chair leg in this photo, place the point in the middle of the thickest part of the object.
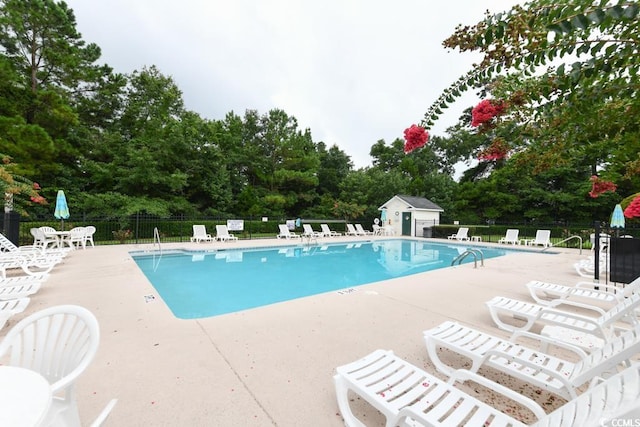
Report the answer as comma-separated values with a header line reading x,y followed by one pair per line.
x,y
342,394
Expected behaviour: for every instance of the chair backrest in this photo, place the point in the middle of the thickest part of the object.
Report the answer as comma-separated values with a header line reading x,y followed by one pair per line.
x,y
360,229
462,232
58,342
7,245
284,230
543,236
616,398
77,233
351,228
512,235
325,228
221,230
623,310
307,228
47,229
199,230
611,354
90,231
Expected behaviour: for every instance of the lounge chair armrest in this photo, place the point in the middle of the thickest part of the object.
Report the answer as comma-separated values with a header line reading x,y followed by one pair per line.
x,y
559,302
465,375
559,318
548,340
517,360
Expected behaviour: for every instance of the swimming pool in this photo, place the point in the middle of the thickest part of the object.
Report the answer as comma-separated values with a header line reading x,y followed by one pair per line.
x,y
203,284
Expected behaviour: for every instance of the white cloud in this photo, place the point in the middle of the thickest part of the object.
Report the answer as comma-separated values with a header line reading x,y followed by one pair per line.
x,y
353,71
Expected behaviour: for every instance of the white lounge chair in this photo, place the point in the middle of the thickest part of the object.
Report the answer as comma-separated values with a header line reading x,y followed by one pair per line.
x,y
584,331
327,232
19,291
361,231
222,233
200,234
30,265
543,238
587,268
351,230
462,234
308,231
58,342
552,373
11,307
30,251
285,233
511,237
551,294
407,395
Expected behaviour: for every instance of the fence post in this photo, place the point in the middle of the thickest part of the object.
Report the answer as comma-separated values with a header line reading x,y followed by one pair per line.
x,y
137,225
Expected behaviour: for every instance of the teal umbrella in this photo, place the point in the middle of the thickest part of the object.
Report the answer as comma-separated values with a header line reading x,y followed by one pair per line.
x,y
617,217
62,210
383,217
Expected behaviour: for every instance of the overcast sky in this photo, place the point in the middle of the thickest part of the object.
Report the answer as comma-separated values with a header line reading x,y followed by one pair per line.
x,y
352,71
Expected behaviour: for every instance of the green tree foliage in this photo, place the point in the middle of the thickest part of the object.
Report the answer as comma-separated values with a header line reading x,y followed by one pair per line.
x,y
567,71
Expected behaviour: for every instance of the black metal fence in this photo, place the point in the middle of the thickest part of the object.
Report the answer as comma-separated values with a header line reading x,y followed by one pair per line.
x,y
140,228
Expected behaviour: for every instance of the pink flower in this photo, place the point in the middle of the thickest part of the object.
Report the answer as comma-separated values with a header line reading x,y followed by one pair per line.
x,y
599,186
633,210
486,110
415,137
36,186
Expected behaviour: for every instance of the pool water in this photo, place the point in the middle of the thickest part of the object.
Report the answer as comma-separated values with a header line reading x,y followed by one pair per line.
x,y
203,284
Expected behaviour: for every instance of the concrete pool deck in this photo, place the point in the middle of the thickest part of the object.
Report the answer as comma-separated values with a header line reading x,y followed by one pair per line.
x,y
273,365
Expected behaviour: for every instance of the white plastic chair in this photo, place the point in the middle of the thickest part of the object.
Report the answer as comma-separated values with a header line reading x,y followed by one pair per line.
x,y
200,234
309,232
59,343
222,233
327,232
77,237
511,237
90,230
285,233
407,395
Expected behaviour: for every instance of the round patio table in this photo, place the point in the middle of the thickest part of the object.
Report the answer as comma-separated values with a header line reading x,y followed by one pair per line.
x,y
25,397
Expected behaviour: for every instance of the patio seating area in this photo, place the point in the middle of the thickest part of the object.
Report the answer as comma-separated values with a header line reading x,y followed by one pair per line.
x,y
255,367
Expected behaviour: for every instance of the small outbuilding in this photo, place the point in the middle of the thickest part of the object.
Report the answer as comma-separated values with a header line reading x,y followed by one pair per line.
x,y
410,216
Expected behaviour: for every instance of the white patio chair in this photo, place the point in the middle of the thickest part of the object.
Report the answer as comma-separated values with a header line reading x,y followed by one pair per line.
x,y
326,231
351,230
77,237
462,234
407,395
12,307
511,237
285,233
543,238
200,234
90,230
308,231
547,371
361,231
552,294
59,343
222,233
580,330
19,291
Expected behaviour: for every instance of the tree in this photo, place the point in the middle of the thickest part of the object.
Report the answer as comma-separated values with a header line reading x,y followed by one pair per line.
x,y
564,75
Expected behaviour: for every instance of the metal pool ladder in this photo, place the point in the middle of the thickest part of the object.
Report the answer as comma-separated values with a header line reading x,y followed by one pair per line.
x,y
156,239
475,253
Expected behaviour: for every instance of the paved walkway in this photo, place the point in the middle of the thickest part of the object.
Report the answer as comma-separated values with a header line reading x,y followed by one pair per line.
x,y
270,366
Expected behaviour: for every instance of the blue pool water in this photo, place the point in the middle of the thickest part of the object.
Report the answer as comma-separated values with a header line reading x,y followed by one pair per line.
x,y
204,284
